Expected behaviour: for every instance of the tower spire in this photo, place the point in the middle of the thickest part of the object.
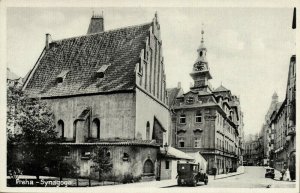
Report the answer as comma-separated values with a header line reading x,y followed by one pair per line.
x,y
202,32
201,73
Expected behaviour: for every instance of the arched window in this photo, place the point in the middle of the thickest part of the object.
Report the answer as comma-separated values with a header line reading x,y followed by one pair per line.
x,y
148,130
148,167
61,128
74,129
95,129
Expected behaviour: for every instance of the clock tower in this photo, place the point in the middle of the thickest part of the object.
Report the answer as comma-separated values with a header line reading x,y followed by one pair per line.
x,y
200,73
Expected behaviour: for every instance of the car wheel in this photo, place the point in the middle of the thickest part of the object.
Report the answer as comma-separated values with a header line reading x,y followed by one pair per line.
x,y
179,182
194,183
206,181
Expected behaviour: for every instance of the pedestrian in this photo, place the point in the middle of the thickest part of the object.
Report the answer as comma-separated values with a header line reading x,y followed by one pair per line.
x,y
214,170
282,173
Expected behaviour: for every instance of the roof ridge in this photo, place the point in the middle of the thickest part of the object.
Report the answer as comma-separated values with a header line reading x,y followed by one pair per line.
x,y
111,30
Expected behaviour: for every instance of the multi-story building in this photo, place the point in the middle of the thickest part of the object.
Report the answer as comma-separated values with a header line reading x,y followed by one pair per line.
x,y
278,124
269,131
291,118
251,153
206,120
282,121
107,89
265,132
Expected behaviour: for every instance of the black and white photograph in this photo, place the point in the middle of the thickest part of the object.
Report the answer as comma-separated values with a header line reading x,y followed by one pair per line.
x,y
148,96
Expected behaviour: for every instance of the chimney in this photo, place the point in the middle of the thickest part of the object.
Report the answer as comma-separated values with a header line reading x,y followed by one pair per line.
x,y
96,24
48,36
179,85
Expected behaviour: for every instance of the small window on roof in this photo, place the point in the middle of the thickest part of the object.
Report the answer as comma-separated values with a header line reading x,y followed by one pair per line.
x,y
100,73
61,76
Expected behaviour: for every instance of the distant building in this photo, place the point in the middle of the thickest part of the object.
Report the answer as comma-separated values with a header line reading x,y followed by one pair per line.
x,y
206,120
12,79
269,131
278,124
253,153
107,89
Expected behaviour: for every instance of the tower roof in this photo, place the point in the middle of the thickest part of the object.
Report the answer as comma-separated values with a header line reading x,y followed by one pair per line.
x,y
221,89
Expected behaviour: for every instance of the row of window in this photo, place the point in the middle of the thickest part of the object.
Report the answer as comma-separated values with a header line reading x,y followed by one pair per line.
x,y
197,142
94,131
227,146
198,118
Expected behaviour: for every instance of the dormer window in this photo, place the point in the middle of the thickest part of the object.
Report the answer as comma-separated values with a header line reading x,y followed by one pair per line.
x,y
61,76
100,73
190,100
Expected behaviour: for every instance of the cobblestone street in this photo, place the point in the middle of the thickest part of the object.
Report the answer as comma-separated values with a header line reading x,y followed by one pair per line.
x,y
254,177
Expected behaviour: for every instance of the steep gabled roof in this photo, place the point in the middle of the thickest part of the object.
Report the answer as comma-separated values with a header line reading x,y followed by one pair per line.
x,y
172,94
83,56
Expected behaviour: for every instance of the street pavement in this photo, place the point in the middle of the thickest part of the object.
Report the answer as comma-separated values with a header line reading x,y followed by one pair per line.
x,y
253,177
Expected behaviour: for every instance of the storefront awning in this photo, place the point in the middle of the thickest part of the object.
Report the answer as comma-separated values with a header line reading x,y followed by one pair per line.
x,y
171,152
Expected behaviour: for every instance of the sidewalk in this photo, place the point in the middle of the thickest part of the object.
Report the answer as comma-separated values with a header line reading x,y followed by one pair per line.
x,y
239,171
278,176
221,176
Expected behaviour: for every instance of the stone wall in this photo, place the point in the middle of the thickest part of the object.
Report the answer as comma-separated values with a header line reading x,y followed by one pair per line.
x,y
116,113
146,109
124,159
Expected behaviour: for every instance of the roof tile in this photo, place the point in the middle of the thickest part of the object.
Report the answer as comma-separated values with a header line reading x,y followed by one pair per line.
x,y
83,56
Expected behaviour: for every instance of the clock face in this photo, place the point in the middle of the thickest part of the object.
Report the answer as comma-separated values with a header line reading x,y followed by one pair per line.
x,y
199,66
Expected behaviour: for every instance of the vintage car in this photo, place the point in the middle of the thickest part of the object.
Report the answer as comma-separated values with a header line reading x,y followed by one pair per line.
x,y
270,173
190,174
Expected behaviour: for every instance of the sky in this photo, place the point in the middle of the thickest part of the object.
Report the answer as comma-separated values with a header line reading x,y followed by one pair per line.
x,y
248,49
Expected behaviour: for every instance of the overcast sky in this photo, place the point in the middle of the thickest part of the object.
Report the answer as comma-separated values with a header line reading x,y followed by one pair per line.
x,y
248,48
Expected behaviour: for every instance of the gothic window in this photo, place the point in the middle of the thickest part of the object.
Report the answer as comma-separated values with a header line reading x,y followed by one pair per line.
x,y
140,68
74,130
197,142
181,141
61,128
167,165
154,70
148,167
146,76
198,117
95,129
182,119
148,130
150,77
